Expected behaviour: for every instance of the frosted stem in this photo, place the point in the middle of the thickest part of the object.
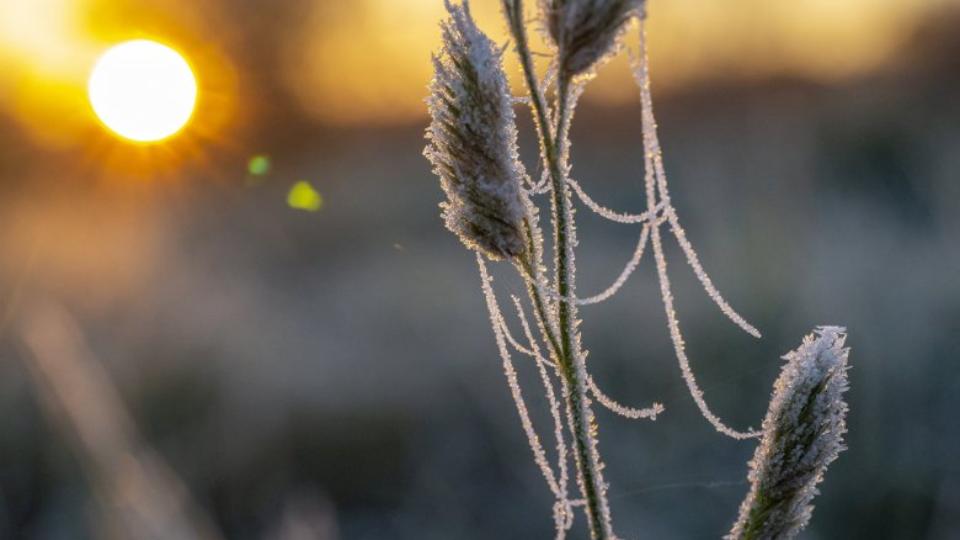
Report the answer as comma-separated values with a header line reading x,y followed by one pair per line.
x,y
496,319
513,341
554,412
570,359
543,185
532,271
574,365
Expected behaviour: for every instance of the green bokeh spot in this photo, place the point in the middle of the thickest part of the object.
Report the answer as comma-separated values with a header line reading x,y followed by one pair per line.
x,y
259,165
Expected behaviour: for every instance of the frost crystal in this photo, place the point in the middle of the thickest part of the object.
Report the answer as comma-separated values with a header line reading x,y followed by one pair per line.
x,y
473,140
586,31
802,434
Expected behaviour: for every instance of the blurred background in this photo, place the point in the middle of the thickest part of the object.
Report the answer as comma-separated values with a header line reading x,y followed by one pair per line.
x,y
184,327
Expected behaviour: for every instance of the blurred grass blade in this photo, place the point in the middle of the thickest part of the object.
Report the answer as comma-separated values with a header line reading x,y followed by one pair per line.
x,y
140,496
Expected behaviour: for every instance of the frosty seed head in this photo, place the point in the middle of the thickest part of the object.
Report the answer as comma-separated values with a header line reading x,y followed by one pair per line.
x,y
473,140
586,31
802,434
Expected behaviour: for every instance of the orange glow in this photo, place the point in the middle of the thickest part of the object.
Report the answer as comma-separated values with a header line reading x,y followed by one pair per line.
x,y
367,61
48,49
44,54
823,40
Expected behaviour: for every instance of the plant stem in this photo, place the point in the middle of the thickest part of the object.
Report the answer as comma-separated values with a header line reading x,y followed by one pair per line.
x,y
572,365
530,267
569,358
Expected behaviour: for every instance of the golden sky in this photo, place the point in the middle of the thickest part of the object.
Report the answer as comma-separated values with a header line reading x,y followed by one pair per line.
x,y
379,60
367,61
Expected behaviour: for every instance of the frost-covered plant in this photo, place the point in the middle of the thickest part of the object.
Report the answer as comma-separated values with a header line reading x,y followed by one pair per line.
x,y
802,434
473,141
586,31
491,207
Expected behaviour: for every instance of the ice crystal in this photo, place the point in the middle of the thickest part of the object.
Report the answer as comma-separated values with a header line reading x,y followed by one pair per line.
x,y
802,434
586,31
472,140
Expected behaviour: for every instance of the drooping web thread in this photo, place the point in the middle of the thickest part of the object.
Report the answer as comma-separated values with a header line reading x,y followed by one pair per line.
x,y
632,265
614,287
664,206
655,182
612,215
650,412
658,202
669,214
533,350
653,152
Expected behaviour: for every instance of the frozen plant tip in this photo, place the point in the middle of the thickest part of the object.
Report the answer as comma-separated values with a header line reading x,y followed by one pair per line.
x,y
473,140
586,31
802,434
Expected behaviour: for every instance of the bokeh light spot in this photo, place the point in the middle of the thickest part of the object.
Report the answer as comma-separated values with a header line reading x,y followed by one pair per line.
x,y
303,196
259,165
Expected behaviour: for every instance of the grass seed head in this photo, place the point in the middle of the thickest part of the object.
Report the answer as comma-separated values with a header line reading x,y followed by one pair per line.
x,y
802,434
472,140
586,31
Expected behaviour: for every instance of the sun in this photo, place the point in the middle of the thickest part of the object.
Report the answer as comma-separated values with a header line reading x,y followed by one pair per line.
x,y
142,90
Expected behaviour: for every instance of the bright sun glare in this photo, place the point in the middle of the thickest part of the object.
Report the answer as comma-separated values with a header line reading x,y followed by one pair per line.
x,y
142,90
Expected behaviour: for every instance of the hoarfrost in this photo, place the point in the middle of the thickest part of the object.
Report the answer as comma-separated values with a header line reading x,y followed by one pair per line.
x,y
802,434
